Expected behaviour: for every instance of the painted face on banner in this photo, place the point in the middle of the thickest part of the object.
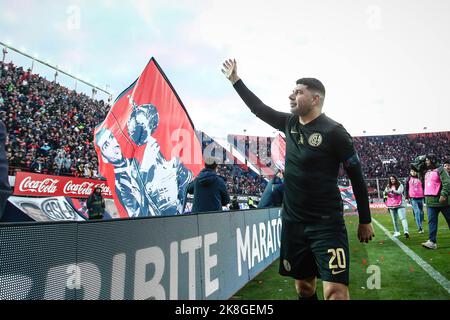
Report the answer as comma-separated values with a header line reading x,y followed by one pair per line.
x,y
110,148
142,123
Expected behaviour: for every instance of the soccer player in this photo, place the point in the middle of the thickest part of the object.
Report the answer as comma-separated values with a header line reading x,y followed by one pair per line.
x,y
314,237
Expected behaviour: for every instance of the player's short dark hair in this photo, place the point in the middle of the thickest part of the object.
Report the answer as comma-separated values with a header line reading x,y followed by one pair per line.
x,y
210,163
312,84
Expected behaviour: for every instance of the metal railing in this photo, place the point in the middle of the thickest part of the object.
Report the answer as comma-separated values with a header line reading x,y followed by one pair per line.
x,y
56,68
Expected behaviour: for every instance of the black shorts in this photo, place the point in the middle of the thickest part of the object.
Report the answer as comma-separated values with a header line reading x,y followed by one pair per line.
x,y
311,250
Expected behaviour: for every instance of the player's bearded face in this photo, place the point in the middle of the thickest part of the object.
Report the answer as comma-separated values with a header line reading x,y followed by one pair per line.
x,y
301,100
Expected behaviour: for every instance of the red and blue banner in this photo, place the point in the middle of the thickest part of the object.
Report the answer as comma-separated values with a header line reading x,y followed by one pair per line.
x,y
147,148
348,198
278,152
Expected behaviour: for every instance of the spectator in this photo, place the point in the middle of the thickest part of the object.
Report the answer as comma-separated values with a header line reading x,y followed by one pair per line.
x,y
251,203
447,165
96,204
273,194
209,190
234,204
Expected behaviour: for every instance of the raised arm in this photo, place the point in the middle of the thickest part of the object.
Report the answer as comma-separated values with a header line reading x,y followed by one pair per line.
x,y
270,116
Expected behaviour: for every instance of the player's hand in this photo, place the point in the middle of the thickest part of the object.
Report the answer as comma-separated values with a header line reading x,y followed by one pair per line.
x,y
230,70
442,200
365,232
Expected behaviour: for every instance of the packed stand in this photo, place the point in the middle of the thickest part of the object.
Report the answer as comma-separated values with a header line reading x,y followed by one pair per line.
x,y
385,155
50,127
242,182
380,155
239,179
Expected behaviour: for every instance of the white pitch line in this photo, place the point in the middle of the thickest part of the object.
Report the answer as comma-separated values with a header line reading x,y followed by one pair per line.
x,y
443,282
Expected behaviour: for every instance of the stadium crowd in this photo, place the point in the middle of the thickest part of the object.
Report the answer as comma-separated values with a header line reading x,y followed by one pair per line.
x,y
385,155
50,130
239,178
50,127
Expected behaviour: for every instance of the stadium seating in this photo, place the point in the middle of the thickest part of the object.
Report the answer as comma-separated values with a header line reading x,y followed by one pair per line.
x,y
50,130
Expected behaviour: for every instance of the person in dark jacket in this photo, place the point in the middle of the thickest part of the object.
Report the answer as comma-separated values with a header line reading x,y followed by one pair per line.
x,y
235,204
437,198
209,189
96,205
5,188
277,195
273,194
447,165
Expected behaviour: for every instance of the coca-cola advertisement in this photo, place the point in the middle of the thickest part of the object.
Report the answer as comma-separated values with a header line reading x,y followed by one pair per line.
x,y
41,185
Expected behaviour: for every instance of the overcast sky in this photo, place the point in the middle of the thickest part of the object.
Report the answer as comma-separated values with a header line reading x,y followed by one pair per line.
x,y
385,64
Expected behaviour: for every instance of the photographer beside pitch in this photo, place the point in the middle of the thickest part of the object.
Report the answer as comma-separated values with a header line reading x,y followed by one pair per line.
x,y
437,192
314,239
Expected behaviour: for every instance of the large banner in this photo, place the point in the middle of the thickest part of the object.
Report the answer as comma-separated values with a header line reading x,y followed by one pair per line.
x,y
60,208
42,185
47,209
147,148
348,198
278,152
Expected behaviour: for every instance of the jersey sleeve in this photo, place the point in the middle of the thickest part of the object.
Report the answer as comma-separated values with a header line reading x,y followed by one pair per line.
x,y
346,153
270,116
343,143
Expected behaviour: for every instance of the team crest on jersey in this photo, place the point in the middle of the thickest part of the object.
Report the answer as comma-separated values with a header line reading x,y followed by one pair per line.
x,y
315,140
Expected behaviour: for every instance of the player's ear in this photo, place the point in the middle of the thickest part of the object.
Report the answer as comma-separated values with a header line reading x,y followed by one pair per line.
x,y
316,99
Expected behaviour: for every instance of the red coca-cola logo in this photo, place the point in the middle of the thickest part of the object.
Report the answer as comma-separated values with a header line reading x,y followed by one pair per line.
x,y
84,188
47,185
